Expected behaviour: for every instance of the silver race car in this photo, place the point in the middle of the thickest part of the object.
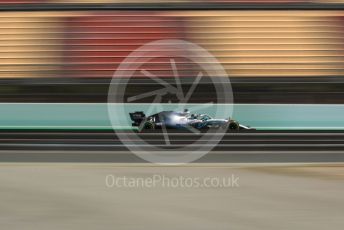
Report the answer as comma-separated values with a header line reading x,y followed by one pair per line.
x,y
183,120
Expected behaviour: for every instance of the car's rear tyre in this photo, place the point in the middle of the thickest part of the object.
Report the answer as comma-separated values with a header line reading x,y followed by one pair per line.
x,y
149,125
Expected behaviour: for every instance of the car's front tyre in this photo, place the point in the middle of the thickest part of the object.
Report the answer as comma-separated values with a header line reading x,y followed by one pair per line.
x,y
233,125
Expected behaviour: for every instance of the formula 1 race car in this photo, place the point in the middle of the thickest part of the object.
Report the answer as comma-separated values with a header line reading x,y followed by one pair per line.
x,y
183,120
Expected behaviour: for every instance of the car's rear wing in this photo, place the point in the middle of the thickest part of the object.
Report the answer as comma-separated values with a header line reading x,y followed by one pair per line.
x,y
137,117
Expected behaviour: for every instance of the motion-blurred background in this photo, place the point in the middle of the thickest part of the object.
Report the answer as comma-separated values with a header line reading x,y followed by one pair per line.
x,y
276,52
67,51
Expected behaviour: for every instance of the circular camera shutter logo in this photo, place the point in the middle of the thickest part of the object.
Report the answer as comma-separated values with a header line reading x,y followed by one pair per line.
x,y
172,50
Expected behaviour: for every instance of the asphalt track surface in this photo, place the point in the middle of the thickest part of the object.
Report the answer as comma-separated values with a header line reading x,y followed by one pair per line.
x,y
40,196
240,147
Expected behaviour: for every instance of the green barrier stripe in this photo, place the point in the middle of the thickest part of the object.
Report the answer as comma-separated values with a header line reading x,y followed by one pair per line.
x,y
95,116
